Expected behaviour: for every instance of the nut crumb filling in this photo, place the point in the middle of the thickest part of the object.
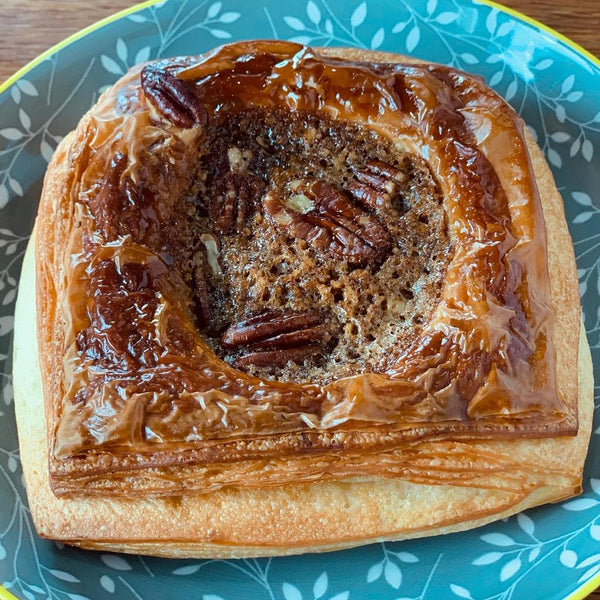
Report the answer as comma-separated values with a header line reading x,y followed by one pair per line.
x,y
321,241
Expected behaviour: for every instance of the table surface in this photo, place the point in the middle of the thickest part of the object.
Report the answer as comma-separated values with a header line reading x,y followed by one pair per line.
x,y
28,27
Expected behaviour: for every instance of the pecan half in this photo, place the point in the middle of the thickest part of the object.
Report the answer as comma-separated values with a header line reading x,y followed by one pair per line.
x,y
230,205
275,358
376,184
274,338
328,219
172,97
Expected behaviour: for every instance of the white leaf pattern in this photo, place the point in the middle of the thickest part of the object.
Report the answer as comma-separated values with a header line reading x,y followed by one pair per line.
x,y
377,39
108,584
115,562
15,186
505,29
110,65
291,592
6,324
554,158
392,574
46,151
11,133
122,50
64,576
533,554
187,570
412,39
497,539
320,586
488,558
568,558
213,10
469,58
587,150
460,591
446,18
491,21
301,39
496,78
27,87
313,12
595,558
510,569
220,34
511,90
580,504
142,55
560,137
294,23
526,523
585,200
15,93
229,17
24,118
374,572
407,557
567,84
359,15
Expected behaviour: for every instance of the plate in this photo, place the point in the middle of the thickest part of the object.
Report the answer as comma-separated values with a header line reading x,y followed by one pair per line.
x,y
550,552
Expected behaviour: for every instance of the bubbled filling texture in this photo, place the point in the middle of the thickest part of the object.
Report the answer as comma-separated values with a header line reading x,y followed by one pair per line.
x,y
372,310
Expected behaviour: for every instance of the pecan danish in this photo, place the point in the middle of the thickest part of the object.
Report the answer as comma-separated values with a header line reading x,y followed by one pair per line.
x,y
302,299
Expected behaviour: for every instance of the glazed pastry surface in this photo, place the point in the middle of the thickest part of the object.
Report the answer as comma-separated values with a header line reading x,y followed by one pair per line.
x,y
174,370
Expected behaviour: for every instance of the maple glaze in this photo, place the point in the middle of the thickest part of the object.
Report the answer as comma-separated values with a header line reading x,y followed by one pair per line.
x,y
139,374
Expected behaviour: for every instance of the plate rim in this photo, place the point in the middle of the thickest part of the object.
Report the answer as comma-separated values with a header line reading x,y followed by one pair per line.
x,y
589,586
515,14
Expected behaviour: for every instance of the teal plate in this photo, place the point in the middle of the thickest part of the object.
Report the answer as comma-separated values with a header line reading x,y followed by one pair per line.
x,y
547,553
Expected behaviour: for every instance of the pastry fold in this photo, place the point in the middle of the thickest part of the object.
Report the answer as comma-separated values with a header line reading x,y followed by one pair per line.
x,y
483,410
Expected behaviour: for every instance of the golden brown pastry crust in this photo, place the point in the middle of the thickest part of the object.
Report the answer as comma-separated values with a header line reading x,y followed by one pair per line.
x,y
270,425
510,474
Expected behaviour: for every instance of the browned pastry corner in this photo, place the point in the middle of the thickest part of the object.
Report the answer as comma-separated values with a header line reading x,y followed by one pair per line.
x,y
293,299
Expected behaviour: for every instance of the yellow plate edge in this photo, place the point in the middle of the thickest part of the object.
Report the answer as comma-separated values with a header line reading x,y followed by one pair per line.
x,y
6,595
73,38
539,25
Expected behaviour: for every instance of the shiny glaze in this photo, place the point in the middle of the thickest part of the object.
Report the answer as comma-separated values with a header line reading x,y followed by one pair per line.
x,y
138,373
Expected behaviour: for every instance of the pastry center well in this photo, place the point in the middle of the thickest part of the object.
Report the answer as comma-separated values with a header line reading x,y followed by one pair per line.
x,y
319,248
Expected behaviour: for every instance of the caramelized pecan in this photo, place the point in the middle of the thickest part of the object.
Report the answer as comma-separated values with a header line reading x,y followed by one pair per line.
x,y
376,184
172,97
230,205
275,358
275,338
328,219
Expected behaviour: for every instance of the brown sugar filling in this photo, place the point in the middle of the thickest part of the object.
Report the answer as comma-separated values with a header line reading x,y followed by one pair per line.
x,y
244,261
